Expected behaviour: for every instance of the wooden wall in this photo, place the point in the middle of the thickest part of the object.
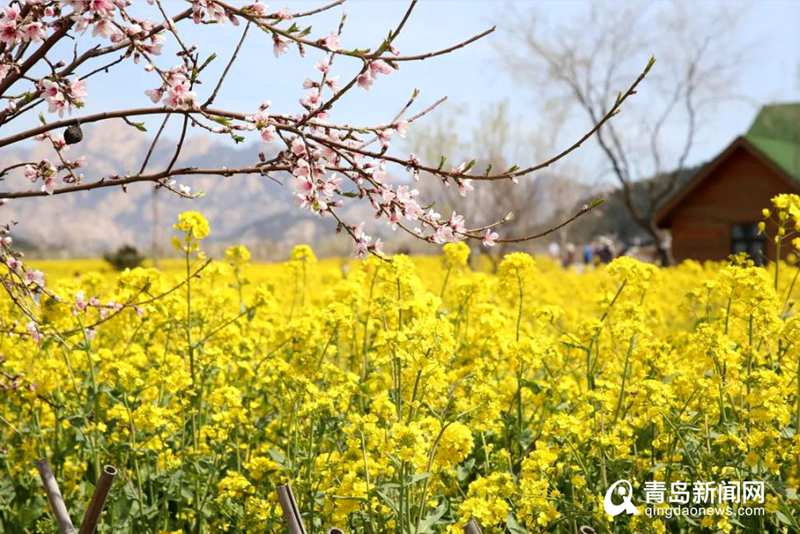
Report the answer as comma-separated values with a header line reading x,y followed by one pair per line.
x,y
735,192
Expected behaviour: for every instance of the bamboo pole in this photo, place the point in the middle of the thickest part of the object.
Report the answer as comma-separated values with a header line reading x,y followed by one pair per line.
x,y
472,527
291,513
54,497
98,501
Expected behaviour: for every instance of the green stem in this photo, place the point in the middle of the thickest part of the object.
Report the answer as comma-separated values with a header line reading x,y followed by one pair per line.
x,y
444,283
777,262
624,378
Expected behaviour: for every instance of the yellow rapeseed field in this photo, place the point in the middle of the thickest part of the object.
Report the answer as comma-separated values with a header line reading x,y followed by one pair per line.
x,y
401,395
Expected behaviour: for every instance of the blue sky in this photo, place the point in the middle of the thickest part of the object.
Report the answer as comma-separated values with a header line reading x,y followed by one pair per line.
x,y
470,77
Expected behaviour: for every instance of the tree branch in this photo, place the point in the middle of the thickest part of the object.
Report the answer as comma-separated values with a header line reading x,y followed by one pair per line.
x,y
155,177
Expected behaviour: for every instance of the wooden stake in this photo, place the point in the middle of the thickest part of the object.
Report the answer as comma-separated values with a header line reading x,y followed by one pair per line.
x,y
291,513
98,501
54,496
472,527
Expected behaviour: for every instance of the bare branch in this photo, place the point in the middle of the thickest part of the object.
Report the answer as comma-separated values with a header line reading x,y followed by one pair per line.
x,y
155,177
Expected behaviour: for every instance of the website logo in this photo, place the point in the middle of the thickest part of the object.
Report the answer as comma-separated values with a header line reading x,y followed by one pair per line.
x,y
624,490
688,499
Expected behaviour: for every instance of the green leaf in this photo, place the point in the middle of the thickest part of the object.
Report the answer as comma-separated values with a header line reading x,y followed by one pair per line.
x,y
277,456
513,525
782,518
390,502
464,471
225,121
208,60
432,519
139,126
419,477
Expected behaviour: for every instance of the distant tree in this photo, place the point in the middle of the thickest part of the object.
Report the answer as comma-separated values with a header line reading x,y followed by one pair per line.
x,y
496,141
583,62
125,257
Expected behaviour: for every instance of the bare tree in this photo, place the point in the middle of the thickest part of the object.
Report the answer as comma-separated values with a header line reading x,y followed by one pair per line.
x,y
585,61
495,141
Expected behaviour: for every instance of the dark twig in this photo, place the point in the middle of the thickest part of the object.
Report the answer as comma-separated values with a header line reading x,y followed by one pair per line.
x,y
317,10
154,143
179,145
581,212
227,68
155,177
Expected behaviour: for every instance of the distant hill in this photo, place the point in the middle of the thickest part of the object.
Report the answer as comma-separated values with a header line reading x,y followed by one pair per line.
x,y
255,211
249,209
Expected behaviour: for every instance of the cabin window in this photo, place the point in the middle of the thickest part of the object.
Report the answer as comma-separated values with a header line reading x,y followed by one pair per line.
x,y
745,238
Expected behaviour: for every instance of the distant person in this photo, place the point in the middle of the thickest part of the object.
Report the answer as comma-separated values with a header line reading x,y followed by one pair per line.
x,y
604,251
569,256
588,254
554,249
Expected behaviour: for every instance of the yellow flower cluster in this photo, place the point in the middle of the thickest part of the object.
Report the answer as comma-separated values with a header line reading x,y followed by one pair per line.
x,y
403,395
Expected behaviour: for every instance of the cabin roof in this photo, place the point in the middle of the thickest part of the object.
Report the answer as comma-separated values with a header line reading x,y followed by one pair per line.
x,y
776,133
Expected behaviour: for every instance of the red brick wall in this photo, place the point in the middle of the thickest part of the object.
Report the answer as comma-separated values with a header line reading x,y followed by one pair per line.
x,y
735,192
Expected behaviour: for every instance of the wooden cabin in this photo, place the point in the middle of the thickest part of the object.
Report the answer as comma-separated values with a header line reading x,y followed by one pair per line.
x,y
716,213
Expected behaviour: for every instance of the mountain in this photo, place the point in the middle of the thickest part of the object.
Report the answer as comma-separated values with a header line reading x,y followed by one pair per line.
x,y
241,209
251,210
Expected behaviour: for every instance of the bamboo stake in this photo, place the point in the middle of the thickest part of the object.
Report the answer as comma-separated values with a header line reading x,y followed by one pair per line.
x,y
472,527
54,496
334,530
291,513
98,501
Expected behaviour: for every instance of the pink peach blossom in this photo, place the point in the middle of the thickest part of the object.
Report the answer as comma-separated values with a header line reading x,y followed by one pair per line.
x,y
489,238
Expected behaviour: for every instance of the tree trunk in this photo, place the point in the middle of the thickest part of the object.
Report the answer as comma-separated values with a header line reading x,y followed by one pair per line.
x,y
662,248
